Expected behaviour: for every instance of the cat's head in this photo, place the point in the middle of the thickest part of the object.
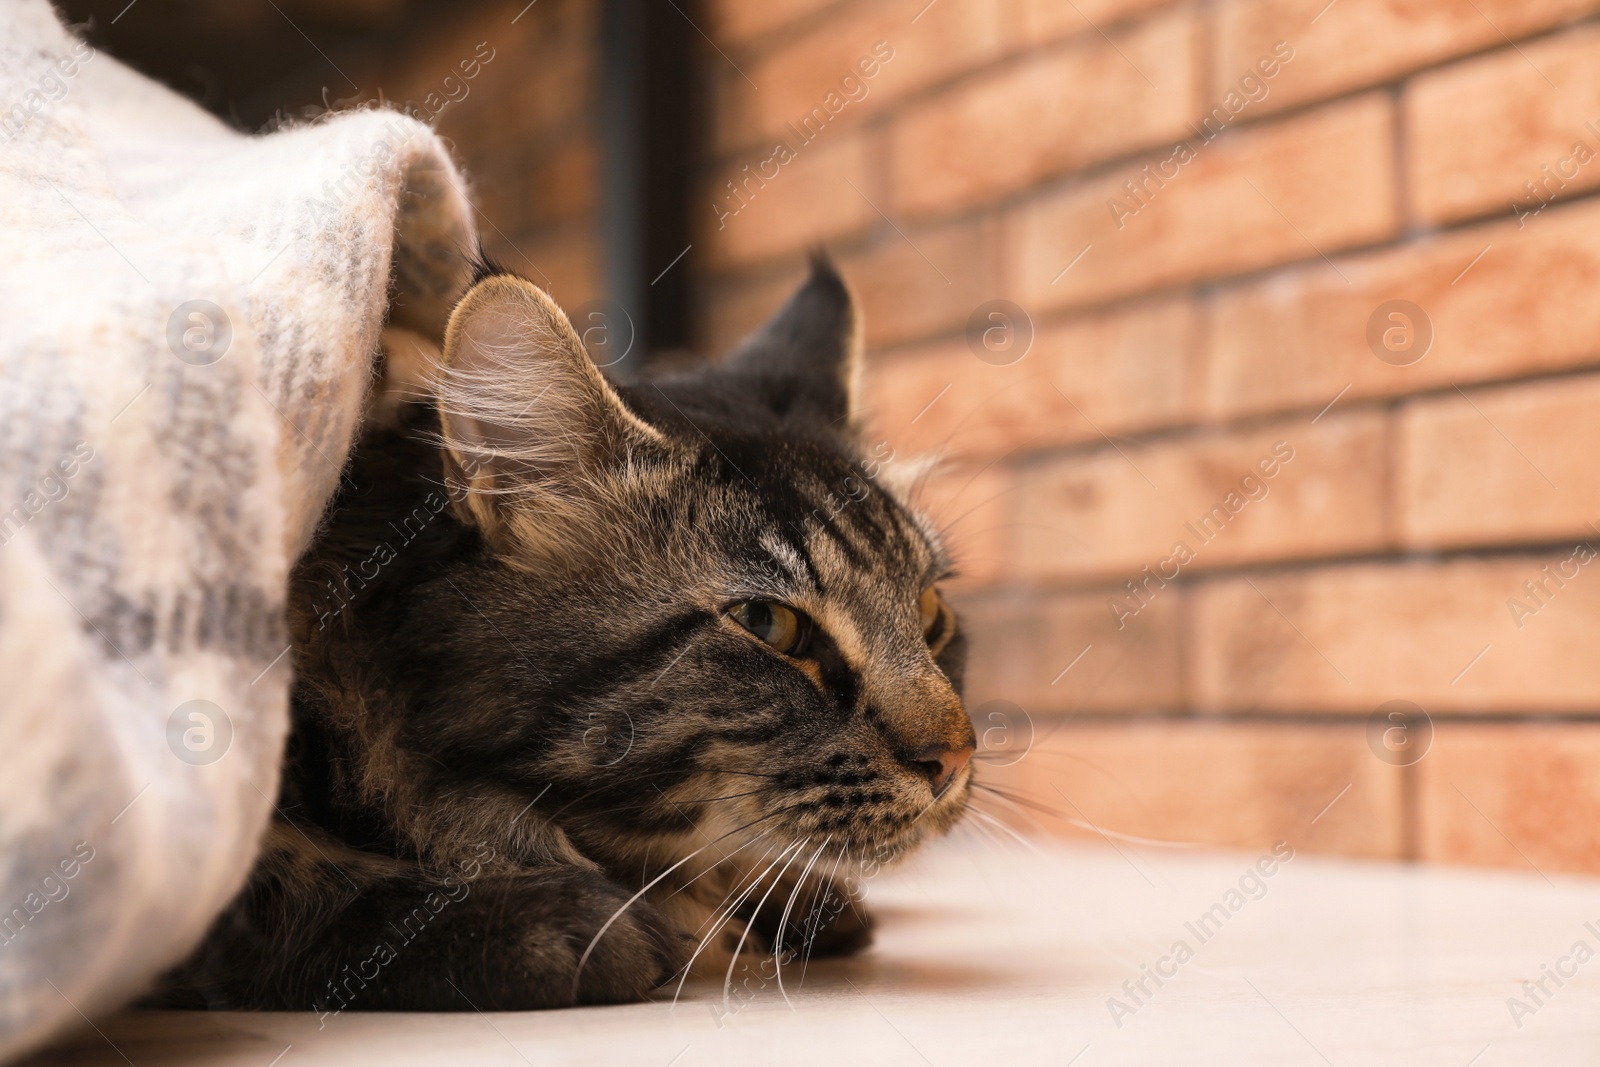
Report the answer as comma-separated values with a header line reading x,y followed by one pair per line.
x,y
701,612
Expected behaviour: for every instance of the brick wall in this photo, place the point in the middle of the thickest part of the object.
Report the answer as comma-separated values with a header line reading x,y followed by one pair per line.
x,y
524,126
1213,364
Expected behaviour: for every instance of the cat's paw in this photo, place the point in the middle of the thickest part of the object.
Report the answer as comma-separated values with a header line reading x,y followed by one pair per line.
x,y
619,951
567,936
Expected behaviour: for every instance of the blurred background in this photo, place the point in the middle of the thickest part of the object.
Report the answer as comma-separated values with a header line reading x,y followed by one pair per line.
x,y
1261,339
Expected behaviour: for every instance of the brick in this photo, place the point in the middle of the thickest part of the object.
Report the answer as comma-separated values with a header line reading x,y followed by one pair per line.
x,y
1114,372
1060,653
1482,129
730,308
566,262
950,37
973,507
735,22
1044,21
542,76
1349,638
1112,512
519,131
917,282
1299,337
1523,796
1045,114
549,93
555,184
820,194
1356,43
412,68
1229,785
1251,198
1497,465
909,284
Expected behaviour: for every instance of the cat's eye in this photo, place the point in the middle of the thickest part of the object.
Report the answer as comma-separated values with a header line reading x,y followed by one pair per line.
x,y
936,618
783,628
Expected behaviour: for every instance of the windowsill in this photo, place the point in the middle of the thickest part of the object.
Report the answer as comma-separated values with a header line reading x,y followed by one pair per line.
x,y
998,955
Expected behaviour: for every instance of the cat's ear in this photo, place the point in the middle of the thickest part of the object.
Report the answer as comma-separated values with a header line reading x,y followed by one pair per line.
x,y
531,428
806,359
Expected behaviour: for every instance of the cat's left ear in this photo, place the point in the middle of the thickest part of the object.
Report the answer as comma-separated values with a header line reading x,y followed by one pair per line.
x,y
533,432
806,360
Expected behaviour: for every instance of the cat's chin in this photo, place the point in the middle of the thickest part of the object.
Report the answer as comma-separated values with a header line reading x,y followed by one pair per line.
x,y
938,822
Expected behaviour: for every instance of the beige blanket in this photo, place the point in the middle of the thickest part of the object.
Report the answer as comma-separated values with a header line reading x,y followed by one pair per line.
x,y
188,318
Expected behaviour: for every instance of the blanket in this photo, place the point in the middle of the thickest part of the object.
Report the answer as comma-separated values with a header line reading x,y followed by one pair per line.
x,y
188,322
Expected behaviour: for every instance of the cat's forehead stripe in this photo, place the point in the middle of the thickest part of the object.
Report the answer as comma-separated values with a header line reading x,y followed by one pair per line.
x,y
855,553
785,555
862,517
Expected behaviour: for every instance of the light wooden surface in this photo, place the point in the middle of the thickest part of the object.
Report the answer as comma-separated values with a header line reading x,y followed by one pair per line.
x,y
991,955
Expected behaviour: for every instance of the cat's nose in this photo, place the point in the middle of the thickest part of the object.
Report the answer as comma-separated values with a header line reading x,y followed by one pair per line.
x,y
942,764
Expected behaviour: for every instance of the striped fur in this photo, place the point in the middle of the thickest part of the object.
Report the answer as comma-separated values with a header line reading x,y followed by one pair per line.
x,y
521,700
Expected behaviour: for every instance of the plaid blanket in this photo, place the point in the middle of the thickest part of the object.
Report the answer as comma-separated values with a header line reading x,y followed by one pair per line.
x,y
189,319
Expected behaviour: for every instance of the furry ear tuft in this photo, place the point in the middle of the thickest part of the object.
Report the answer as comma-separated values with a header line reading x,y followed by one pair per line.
x,y
531,428
806,359
904,478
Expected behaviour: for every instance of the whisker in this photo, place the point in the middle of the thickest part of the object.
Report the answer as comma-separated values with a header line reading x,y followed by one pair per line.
x,y
737,885
727,981
713,800
1021,800
1056,754
1023,841
741,848
1091,827
726,918
783,922
636,776
987,834
588,951
1151,842
822,902
1022,811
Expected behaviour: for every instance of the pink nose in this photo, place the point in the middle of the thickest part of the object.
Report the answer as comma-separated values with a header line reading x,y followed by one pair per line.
x,y
941,765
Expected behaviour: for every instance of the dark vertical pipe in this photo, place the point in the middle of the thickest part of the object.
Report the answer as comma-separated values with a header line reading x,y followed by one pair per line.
x,y
670,148
622,199
649,140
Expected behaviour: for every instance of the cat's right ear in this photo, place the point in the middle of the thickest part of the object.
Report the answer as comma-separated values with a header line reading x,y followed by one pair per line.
x,y
532,430
806,359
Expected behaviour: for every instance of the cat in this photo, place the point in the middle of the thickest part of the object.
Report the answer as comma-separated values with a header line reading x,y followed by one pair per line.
x,y
598,683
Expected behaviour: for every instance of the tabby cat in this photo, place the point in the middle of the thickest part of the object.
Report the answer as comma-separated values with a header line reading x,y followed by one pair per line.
x,y
597,682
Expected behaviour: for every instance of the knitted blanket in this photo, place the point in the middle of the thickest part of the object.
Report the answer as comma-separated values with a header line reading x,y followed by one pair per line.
x,y
188,318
